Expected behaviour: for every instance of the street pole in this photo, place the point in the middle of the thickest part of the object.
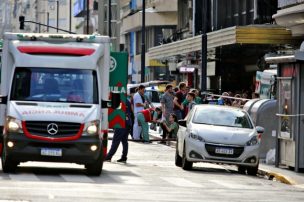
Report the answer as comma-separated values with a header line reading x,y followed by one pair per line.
x,y
109,18
48,21
143,46
70,25
88,16
204,46
57,3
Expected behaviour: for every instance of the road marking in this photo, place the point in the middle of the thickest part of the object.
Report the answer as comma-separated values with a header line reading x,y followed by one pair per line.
x,y
24,177
129,180
231,185
180,182
77,178
299,186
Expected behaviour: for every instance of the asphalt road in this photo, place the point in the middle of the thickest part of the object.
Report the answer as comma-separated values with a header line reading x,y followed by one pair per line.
x,y
148,175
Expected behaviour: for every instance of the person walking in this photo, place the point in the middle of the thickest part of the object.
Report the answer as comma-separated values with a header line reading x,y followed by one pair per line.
x,y
121,136
139,105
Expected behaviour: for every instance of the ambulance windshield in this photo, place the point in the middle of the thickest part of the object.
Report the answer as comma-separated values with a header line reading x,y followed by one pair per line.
x,y
55,85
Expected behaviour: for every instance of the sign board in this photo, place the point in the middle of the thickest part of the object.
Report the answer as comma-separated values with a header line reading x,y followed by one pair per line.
x,y
263,84
118,82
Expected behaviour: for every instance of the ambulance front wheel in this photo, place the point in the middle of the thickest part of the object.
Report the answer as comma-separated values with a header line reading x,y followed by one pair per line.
x,y
94,169
8,166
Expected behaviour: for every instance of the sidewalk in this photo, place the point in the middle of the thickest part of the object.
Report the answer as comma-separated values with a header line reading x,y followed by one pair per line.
x,y
281,174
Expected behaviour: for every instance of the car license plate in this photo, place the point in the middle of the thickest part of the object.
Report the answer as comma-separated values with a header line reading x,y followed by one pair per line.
x,y
51,152
224,151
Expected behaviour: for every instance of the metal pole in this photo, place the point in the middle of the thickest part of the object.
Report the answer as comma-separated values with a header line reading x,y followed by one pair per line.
x,y
88,16
57,3
70,25
48,21
109,18
143,46
204,46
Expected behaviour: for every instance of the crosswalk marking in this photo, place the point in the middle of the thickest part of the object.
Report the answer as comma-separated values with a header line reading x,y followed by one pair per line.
x,y
230,185
24,177
77,178
180,182
130,180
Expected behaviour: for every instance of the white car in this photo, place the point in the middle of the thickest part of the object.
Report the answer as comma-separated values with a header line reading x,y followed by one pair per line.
x,y
218,134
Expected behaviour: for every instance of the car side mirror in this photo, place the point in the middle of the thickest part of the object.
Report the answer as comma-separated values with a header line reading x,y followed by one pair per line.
x,y
182,123
3,99
259,129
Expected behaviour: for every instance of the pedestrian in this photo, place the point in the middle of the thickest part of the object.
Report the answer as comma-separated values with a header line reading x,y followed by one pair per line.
x,y
167,103
237,102
178,100
139,105
121,136
170,128
190,98
224,100
146,116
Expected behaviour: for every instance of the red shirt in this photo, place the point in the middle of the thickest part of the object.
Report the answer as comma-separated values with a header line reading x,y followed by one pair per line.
x,y
147,114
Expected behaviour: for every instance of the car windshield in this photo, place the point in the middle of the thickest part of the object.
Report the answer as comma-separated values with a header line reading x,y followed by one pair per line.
x,y
222,117
55,85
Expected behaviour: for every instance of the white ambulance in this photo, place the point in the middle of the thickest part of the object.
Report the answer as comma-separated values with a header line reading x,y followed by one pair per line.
x,y
54,99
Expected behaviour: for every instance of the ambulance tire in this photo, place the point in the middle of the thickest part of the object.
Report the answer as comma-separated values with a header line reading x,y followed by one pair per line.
x,y
8,166
94,169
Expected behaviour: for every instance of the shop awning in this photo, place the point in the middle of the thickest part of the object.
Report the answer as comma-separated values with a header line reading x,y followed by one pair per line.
x,y
253,34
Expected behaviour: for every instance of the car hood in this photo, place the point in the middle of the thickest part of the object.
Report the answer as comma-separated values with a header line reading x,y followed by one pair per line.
x,y
223,134
62,112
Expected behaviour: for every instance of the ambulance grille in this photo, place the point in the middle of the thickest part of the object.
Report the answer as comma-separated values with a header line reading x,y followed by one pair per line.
x,y
48,129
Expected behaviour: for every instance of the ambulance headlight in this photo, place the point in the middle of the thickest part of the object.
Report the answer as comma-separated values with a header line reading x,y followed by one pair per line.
x,y
13,125
92,128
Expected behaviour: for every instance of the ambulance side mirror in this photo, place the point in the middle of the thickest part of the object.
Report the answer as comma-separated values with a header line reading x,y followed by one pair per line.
x,y
3,99
114,103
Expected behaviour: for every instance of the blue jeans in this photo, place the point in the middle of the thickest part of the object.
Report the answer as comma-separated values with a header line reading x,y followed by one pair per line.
x,y
179,114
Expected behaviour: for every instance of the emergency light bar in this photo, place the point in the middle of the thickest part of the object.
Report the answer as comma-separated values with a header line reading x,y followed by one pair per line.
x,y
78,38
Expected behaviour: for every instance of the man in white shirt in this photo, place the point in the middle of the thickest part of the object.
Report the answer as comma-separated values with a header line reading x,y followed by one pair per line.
x,y
139,105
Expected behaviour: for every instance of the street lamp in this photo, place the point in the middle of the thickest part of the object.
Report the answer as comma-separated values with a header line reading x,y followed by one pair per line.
x,y
143,46
204,46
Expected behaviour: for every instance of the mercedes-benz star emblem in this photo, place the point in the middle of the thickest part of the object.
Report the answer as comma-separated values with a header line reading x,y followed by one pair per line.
x,y
52,128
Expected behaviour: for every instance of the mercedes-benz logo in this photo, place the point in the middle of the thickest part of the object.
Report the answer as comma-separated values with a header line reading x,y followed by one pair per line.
x,y
52,128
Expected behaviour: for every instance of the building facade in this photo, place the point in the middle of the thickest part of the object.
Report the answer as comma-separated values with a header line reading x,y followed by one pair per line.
x,y
239,34
54,13
161,21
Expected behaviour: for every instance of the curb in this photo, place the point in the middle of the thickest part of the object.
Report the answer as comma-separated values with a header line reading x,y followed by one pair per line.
x,y
278,176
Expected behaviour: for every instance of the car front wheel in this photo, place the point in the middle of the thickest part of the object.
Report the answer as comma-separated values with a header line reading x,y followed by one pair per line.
x,y
186,165
253,170
178,159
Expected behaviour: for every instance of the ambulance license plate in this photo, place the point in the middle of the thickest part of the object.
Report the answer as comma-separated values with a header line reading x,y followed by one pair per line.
x,y
51,152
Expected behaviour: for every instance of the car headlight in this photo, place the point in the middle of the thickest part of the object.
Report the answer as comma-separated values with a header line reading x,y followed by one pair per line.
x,y
13,125
196,137
92,128
253,141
